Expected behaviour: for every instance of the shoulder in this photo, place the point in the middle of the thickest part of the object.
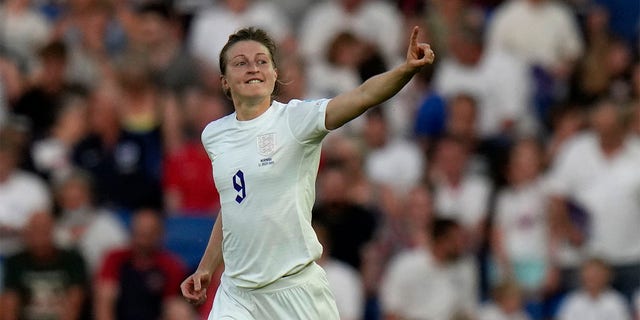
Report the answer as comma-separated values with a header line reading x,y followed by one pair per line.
x,y
24,178
614,298
117,256
411,260
215,127
576,298
582,144
559,9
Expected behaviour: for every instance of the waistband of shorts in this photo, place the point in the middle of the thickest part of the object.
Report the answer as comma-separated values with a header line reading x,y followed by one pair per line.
x,y
309,272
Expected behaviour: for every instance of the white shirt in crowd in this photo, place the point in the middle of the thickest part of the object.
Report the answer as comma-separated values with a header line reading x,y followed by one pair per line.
x,y
609,305
486,81
265,171
491,311
212,27
375,21
398,164
609,189
103,232
347,288
544,33
415,286
467,203
521,216
21,195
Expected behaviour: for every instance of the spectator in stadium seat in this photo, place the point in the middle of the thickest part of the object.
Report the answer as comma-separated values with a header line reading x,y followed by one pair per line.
x,y
400,229
24,31
81,225
542,32
459,192
172,67
497,79
595,299
520,230
506,303
344,281
21,194
135,282
186,190
116,158
431,283
385,153
350,226
51,154
41,100
545,35
606,64
90,33
211,27
43,281
377,22
596,172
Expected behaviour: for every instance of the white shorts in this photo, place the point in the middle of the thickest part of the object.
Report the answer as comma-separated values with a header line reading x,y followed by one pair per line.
x,y
305,295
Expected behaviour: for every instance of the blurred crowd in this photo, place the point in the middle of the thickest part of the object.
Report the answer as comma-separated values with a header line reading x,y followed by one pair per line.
x,y
502,183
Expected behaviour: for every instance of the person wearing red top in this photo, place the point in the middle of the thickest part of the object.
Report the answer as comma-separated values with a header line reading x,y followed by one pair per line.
x,y
134,282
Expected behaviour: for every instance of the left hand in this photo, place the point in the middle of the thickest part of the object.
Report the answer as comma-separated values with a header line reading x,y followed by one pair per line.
x,y
419,54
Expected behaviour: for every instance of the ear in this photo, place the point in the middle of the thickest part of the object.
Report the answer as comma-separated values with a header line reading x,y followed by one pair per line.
x,y
224,83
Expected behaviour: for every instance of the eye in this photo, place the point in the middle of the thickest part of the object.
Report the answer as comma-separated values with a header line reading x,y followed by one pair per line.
x,y
263,61
239,63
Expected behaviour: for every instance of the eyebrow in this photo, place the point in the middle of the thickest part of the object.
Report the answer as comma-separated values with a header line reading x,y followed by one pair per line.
x,y
242,55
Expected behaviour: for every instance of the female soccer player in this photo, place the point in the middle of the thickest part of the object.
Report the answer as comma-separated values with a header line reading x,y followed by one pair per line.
x,y
265,159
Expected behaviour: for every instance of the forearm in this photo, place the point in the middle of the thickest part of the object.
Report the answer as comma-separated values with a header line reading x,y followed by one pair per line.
x,y
372,92
9,302
381,87
106,294
73,307
212,257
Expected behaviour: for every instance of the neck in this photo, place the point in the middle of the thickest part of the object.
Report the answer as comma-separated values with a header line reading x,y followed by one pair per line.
x,y
438,254
611,143
247,110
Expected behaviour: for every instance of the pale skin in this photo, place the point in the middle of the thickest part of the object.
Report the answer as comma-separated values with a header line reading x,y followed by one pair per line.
x,y
250,78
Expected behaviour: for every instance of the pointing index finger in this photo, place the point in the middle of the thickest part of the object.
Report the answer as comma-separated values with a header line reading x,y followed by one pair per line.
x,y
414,36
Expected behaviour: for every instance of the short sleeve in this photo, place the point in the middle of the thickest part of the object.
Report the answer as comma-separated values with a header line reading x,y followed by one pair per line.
x,y
560,178
306,119
110,269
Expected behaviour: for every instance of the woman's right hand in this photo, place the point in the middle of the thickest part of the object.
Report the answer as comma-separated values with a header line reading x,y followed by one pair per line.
x,y
194,288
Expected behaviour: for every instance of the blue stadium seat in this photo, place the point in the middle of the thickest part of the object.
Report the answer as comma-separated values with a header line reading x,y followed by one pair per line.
x,y
187,237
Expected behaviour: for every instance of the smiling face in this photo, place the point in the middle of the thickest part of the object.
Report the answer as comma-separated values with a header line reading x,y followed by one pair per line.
x,y
250,73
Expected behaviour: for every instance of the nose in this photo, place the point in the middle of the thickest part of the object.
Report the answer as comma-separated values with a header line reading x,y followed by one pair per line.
x,y
253,67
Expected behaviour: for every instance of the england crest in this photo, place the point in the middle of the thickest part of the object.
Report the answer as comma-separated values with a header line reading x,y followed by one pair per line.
x,y
267,144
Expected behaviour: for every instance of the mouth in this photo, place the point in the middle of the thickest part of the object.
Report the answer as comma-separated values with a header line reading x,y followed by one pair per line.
x,y
252,81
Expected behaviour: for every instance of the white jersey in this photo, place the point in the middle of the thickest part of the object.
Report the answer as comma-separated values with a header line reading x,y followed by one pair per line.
x,y
265,171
